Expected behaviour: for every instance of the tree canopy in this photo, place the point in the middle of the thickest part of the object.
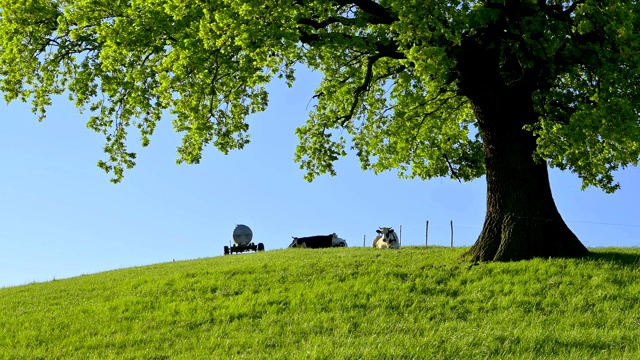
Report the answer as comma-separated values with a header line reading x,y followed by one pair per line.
x,y
393,84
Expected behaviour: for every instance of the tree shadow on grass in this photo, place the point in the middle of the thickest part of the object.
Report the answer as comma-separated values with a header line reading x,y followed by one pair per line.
x,y
627,258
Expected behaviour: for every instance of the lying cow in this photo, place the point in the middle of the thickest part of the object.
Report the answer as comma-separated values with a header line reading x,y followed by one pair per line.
x,y
386,239
318,241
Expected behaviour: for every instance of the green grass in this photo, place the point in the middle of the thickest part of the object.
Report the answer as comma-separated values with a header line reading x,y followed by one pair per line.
x,y
354,303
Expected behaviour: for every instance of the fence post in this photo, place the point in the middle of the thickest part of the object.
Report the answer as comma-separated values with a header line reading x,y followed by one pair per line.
x,y
364,239
400,235
426,234
451,233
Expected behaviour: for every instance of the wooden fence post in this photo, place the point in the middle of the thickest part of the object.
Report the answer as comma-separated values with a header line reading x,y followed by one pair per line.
x,y
426,234
451,233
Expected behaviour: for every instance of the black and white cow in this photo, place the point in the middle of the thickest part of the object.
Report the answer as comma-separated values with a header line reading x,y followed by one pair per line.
x,y
318,241
386,239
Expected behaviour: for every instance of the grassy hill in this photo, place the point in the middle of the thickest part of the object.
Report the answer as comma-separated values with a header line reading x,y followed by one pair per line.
x,y
354,303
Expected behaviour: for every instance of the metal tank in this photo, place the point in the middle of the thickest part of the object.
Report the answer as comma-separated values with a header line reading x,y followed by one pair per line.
x,y
242,236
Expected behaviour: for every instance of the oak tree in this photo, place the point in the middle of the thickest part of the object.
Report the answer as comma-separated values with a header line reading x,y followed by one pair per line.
x,y
429,88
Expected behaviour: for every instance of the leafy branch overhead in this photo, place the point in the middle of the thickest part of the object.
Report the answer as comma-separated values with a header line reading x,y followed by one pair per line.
x,y
396,84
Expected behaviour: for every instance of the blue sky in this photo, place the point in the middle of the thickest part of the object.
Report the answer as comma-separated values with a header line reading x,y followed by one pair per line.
x,y
61,217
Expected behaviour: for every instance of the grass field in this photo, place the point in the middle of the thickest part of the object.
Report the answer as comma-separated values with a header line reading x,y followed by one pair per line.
x,y
353,303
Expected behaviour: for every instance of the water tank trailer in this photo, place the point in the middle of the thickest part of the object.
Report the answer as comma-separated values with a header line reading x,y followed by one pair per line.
x,y
242,236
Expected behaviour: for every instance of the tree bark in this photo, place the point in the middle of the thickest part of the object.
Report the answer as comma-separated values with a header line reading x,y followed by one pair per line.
x,y
522,221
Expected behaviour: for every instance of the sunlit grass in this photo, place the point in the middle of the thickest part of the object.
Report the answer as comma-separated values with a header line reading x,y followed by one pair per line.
x,y
353,303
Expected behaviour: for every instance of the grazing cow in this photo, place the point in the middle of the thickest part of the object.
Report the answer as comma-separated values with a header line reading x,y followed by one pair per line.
x,y
318,241
386,239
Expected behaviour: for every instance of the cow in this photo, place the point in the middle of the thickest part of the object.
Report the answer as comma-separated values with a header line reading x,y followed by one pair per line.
x,y
318,241
386,239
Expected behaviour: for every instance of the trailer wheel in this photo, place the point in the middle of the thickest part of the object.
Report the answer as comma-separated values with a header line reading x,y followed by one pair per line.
x,y
260,247
226,250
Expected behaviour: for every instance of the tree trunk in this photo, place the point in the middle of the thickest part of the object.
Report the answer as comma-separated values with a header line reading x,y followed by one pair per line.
x,y
522,221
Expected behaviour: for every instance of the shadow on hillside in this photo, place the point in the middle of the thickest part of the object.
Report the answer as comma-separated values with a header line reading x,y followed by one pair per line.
x,y
617,257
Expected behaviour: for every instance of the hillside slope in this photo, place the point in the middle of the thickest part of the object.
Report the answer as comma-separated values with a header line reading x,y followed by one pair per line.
x,y
353,303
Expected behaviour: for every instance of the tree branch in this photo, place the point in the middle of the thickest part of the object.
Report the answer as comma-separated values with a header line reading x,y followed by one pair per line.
x,y
317,25
379,14
454,173
573,6
368,77
362,88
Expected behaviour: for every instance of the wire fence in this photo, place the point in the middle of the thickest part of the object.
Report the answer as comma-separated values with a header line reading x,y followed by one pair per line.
x,y
451,227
